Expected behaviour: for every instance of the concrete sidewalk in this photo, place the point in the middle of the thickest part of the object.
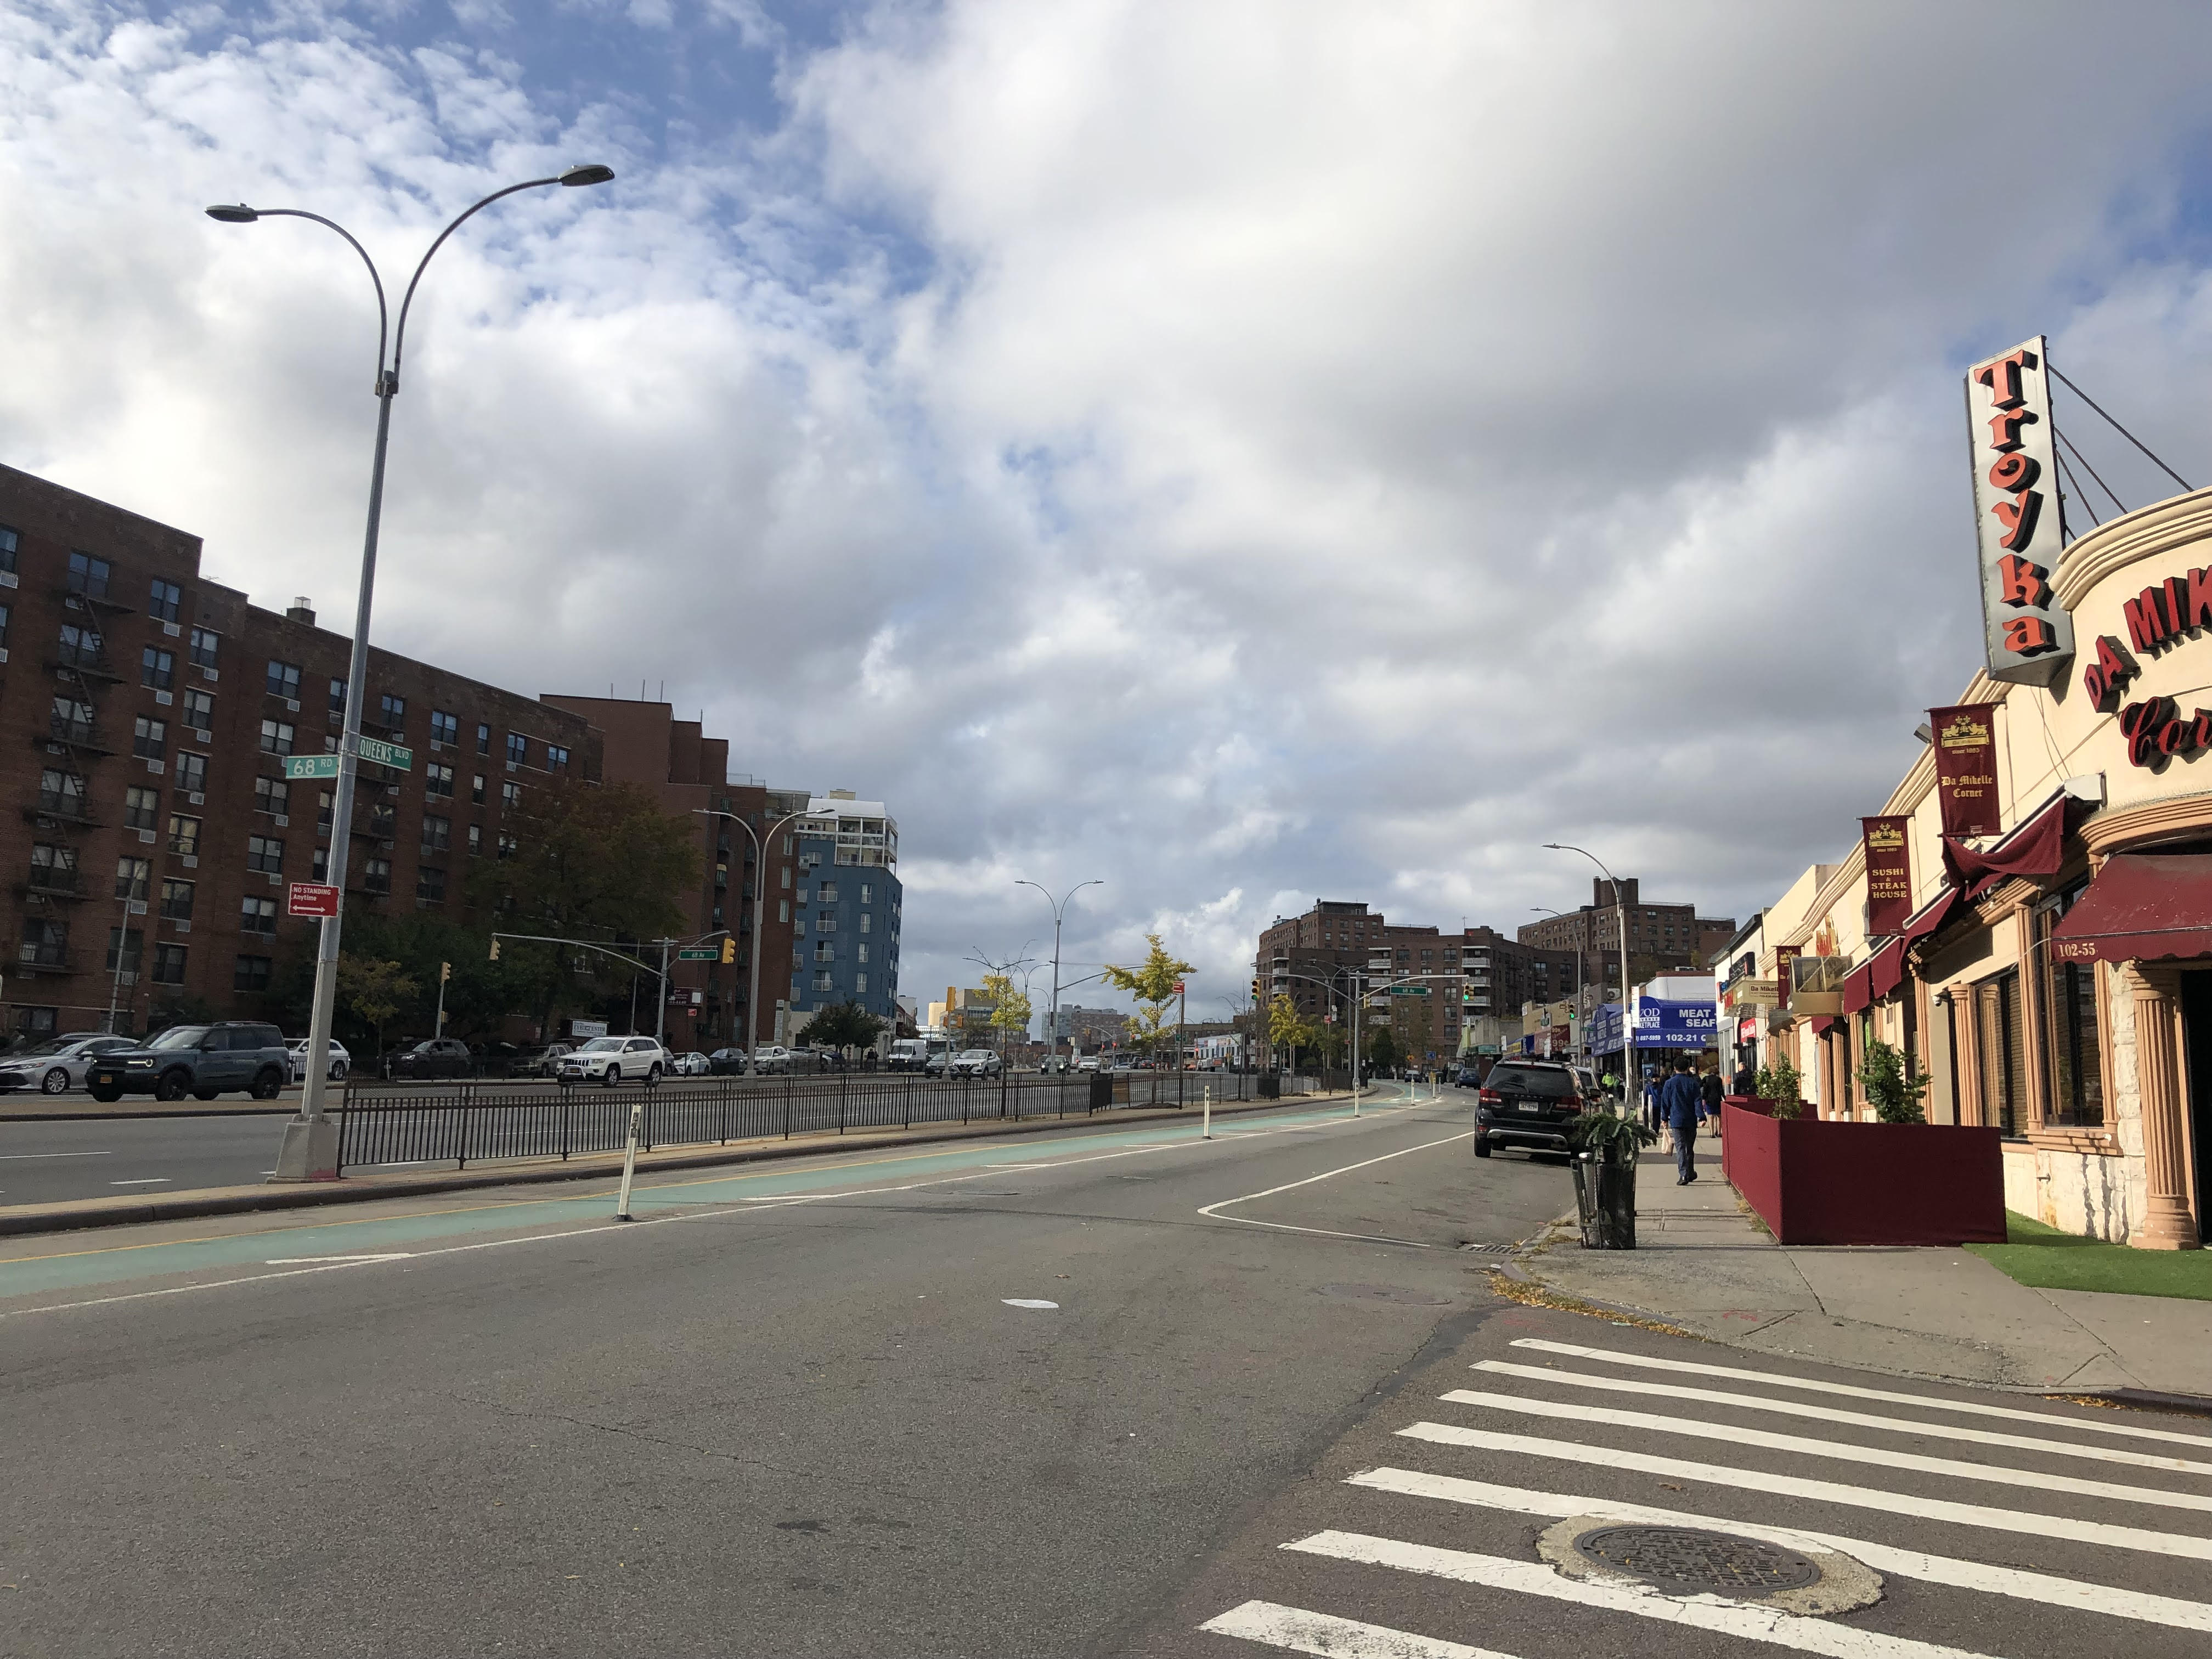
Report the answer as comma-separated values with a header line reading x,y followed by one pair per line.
x,y
1703,1262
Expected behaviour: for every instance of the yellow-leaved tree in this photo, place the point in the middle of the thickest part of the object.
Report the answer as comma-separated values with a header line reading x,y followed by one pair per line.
x,y
1155,982
1010,1009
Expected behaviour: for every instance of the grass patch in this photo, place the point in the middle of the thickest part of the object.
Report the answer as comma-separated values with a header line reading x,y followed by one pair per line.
x,y
2052,1260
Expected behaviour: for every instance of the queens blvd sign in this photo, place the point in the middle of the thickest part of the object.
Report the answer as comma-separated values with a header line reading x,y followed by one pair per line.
x,y
387,754
311,898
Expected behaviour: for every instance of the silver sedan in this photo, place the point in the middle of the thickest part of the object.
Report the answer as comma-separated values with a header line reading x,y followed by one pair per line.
x,y
58,1065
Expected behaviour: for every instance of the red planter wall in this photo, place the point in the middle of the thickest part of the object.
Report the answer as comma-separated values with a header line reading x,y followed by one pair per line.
x,y
1815,1183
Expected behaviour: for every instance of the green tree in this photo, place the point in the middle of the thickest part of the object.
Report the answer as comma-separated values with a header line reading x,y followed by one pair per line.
x,y
846,1025
1010,1009
1778,1082
1892,1085
374,990
590,861
1153,983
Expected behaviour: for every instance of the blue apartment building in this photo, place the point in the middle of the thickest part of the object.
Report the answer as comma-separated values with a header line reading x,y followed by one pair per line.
x,y
846,906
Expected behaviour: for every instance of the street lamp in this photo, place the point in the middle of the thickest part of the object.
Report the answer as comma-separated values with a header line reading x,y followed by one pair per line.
x,y
760,908
310,1151
1620,922
1059,909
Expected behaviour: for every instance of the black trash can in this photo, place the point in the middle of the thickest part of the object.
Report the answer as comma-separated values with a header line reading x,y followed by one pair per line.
x,y
1605,1201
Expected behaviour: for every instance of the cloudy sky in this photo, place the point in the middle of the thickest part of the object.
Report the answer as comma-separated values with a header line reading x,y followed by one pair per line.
x,y
1244,452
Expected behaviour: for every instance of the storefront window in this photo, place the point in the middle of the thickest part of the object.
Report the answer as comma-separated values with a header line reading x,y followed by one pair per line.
x,y
2000,1052
2069,1031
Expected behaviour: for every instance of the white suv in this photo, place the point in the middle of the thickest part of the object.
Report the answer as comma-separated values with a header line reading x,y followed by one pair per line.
x,y
612,1059
975,1062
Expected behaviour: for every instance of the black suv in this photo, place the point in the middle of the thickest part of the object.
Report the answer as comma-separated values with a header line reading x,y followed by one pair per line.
x,y
199,1060
439,1057
1527,1103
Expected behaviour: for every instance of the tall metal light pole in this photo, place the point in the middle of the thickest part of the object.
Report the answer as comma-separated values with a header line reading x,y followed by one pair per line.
x,y
1620,922
760,910
310,1151
1059,909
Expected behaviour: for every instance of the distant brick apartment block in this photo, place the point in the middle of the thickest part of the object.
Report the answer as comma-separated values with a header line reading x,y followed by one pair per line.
x,y
1662,937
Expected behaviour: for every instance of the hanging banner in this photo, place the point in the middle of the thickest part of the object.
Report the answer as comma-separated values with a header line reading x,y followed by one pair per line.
x,y
1966,768
1785,959
2029,636
1888,875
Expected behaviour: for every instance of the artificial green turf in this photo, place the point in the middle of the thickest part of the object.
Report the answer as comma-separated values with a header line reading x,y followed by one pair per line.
x,y
2052,1260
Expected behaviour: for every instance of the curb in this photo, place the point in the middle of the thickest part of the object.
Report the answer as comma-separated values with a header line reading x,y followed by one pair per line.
x,y
71,1216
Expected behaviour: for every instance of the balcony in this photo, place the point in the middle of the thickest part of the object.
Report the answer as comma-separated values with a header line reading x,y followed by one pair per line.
x,y
44,881
95,595
79,735
84,665
37,957
52,807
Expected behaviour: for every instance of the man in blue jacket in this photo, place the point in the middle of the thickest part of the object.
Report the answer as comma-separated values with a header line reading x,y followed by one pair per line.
x,y
1679,1103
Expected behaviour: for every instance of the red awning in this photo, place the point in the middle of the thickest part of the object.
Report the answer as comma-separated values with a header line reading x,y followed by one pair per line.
x,y
1929,917
2143,907
1858,991
1823,1024
1886,971
2036,847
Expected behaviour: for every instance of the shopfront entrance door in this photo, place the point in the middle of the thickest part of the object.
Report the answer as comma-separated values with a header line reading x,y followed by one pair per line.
x,y
2197,1043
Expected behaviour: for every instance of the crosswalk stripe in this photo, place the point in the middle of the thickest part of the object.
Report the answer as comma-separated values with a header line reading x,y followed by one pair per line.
x,y
1740,1434
2091,1425
1296,1631
1832,1492
1705,1613
1835,1414
2077,1594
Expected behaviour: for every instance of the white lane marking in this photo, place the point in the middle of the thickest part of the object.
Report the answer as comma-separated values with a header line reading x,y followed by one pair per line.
x,y
1296,1631
1889,1396
1829,1492
142,1181
289,1261
1842,1451
2079,1595
1705,1613
1211,1211
1027,1301
1864,1419
19,1157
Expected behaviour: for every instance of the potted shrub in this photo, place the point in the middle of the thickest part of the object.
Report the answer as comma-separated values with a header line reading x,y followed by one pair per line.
x,y
1606,1148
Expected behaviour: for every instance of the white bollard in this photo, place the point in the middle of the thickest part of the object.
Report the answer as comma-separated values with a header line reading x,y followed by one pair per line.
x,y
1206,1132
630,1159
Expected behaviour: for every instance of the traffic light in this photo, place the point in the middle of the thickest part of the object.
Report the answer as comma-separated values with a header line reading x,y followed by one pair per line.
x,y
446,968
729,951
494,951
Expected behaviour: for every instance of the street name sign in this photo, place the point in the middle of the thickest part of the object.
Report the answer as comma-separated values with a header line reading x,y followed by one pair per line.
x,y
311,898
700,953
299,767
387,754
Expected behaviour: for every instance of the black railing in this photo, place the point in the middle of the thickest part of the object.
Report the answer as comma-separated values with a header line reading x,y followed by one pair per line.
x,y
466,1122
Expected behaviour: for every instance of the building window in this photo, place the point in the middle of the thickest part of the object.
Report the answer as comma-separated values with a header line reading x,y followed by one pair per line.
x,y
176,900
150,739
383,820
437,834
276,736
168,965
324,808
82,648
483,739
3,627
557,757
61,793
867,923
510,795
163,600
251,973
1998,1048
476,841
825,953
257,916
319,865
54,868
829,892
337,697
184,835
204,643
507,849
69,720
786,878
376,875
430,884
265,854
88,575
393,710
141,808
131,875
7,543
859,981
860,953
198,708
157,669
867,894
438,779
272,795
783,909
825,924
283,680
2069,1034
445,727
824,982
124,946
45,943
517,749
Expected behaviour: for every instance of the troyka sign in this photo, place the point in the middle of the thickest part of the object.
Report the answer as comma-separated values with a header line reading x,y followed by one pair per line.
x,y
2016,519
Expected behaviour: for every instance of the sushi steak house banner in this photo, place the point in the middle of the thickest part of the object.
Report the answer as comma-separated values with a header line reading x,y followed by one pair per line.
x,y
1966,768
1888,875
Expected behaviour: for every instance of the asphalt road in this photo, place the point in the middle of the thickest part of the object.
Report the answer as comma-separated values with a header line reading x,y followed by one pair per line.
x,y
811,1410
49,1162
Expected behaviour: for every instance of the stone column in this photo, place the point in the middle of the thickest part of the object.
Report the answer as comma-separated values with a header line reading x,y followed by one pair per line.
x,y
2153,993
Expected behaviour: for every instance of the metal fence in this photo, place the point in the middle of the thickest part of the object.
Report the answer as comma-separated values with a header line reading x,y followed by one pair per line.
x,y
466,1122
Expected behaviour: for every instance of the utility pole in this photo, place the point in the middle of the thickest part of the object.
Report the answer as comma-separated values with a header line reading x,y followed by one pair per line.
x,y
445,973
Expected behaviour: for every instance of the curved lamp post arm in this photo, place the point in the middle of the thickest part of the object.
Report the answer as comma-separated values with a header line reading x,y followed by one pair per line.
x,y
400,338
383,316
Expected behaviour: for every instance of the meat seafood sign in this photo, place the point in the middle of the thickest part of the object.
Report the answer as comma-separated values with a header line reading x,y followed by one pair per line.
x,y
2029,637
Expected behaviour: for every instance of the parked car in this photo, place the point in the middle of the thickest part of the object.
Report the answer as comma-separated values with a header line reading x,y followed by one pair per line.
x,y
975,1062
340,1059
439,1057
1088,1063
1468,1077
1528,1104
59,1064
771,1057
728,1062
232,1056
613,1059
694,1064
541,1061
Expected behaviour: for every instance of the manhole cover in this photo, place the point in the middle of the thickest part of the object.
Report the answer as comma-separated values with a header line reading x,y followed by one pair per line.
x,y
1688,1560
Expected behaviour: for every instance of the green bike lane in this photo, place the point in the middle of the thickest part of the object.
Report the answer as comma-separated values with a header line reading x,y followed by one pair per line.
x,y
56,1273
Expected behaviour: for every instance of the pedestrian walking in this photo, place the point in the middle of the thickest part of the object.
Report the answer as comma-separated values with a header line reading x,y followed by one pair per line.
x,y
1746,1082
1681,1101
1711,1093
1652,1115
